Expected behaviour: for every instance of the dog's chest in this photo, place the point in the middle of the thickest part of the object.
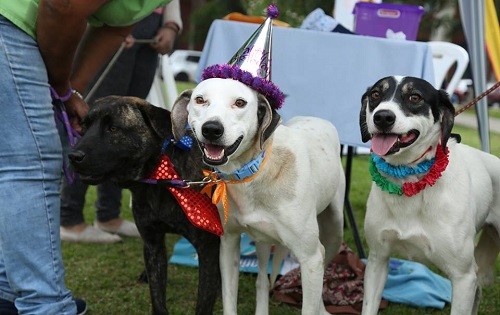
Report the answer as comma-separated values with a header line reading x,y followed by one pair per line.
x,y
414,243
259,226
413,229
255,216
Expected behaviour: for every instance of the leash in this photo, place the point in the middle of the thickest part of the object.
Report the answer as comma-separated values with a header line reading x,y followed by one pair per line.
x,y
61,115
220,192
197,207
474,101
180,183
185,144
62,119
212,178
112,63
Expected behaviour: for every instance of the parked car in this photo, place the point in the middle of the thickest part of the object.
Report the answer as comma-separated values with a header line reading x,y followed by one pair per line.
x,y
184,64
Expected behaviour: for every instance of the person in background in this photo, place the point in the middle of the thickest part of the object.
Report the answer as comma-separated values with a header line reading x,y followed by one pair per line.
x,y
44,44
131,75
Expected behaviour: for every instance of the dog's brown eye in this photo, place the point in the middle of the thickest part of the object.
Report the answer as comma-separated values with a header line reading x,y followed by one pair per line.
x,y
199,100
240,103
375,95
113,128
415,98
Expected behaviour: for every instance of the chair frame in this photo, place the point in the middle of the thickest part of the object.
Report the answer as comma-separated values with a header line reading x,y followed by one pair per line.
x,y
444,56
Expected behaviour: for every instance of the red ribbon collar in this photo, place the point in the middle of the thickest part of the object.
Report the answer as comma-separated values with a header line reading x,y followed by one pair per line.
x,y
199,209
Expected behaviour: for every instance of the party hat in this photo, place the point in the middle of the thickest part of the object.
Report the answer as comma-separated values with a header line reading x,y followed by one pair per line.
x,y
251,65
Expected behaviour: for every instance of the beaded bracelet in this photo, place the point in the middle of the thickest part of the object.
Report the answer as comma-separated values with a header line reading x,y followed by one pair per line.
x,y
77,93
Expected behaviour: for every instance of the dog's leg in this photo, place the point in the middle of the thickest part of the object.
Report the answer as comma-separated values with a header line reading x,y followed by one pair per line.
x,y
486,253
229,268
279,254
375,278
466,293
207,247
262,283
331,230
311,261
462,271
155,259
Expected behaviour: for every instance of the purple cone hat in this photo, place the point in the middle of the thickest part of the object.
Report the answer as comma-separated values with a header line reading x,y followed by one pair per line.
x,y
251,65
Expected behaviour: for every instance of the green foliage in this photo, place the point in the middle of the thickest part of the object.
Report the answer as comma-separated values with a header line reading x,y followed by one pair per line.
x,y
294,11
291,11
432,19
202,18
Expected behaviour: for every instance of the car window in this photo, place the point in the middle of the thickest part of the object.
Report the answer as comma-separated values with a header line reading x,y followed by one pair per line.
x,y
193,58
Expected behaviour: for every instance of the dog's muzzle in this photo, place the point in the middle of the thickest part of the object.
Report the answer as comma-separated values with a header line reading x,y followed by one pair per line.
x,y
212,130
385,142
384,120
76,156
213,152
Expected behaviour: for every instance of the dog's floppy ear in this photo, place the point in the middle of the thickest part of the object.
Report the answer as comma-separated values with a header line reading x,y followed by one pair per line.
x,y
157,118
365,135
180,114
448,117
268,118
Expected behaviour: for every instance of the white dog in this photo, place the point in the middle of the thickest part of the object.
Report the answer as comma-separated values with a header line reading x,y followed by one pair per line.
x,y
296,197
409,123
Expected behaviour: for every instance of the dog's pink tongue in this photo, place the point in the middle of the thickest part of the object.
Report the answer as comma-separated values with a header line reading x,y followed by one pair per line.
x,y
382,143
214,152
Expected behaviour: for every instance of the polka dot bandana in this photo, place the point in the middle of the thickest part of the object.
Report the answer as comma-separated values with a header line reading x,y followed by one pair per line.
x,y
199,209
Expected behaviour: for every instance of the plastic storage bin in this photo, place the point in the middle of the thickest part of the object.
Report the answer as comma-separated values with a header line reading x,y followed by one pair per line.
x,y
399,21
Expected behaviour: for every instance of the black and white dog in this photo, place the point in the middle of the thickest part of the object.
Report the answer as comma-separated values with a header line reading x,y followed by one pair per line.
x,y
430,195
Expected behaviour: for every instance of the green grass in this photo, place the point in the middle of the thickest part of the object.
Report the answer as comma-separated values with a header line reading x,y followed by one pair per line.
x,y
106,275
493,112
181,86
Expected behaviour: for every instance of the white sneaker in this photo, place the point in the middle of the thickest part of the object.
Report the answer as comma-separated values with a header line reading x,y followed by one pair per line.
x,y
127,228
89,235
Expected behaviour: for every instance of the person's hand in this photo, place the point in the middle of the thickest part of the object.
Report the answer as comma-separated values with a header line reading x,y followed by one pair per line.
x,y
164,40
129,41
76,109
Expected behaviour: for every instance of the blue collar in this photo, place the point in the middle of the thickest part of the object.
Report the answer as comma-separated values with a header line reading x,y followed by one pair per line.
x,y
245,171
185,143
402,171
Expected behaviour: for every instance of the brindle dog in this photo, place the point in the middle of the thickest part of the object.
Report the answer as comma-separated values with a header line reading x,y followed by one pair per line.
x,y
122,141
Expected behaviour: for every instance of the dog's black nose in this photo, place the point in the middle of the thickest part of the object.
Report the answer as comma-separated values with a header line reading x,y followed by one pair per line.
x,y
76,156
212,130
384,119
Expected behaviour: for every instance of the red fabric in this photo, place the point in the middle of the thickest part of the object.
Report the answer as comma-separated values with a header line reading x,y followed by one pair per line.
x,y
199,209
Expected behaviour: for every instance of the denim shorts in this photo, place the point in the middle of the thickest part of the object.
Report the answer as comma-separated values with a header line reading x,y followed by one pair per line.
x,y
31,268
